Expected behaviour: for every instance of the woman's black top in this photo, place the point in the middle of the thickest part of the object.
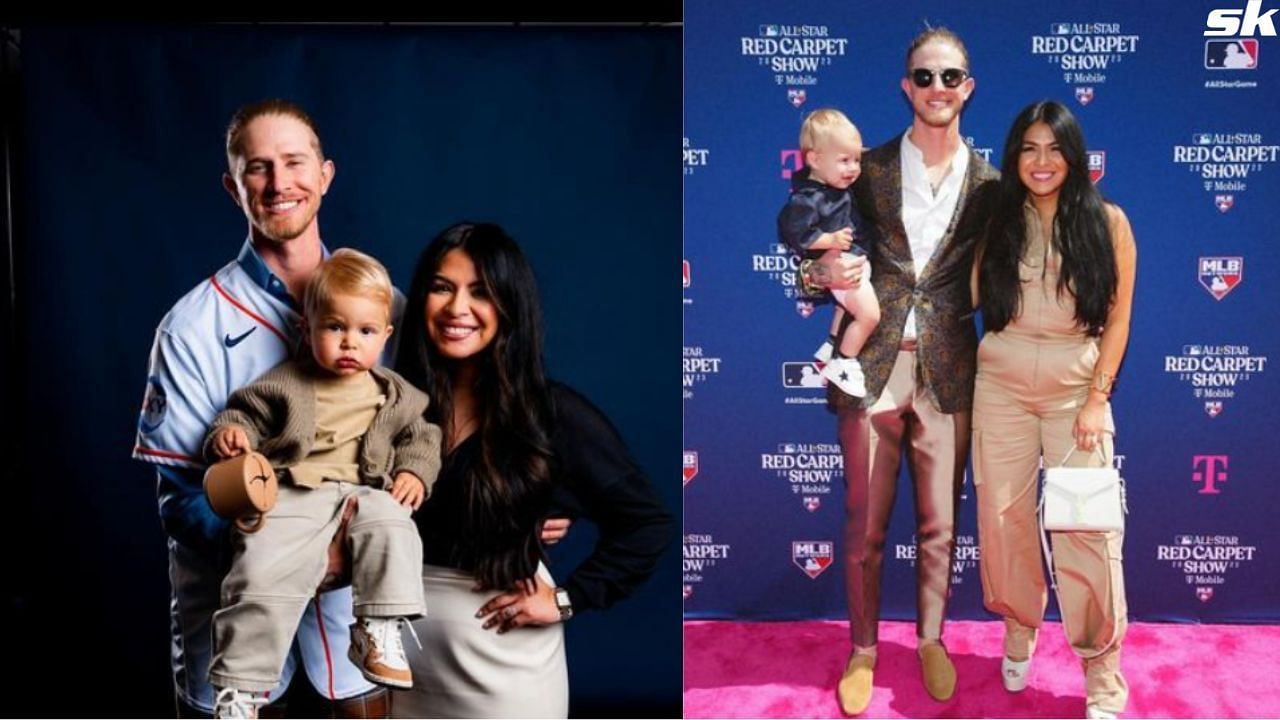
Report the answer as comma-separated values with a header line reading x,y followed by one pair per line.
x,y
594,476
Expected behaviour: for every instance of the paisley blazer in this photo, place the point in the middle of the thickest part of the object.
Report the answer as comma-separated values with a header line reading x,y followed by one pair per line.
x,y
946,337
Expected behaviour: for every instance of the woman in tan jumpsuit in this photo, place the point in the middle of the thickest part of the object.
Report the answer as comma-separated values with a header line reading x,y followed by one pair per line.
x,y
1054,277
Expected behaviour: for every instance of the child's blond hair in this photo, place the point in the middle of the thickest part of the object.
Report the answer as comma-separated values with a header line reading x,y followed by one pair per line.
x,y
347,272
824,124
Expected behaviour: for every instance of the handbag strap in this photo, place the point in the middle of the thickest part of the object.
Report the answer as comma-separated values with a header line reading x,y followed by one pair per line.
x,y
1048,554
1096,447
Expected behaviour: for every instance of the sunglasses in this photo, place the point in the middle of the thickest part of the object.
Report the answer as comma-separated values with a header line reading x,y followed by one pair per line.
x,y
951,77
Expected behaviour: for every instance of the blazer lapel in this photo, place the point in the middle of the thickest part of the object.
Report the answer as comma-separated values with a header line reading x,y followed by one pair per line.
x,y
889,201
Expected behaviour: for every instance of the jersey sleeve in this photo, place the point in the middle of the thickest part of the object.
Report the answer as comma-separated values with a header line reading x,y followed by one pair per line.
x,y
176,408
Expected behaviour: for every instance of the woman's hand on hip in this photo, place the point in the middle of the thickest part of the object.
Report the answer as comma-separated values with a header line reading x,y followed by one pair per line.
x,y
533,603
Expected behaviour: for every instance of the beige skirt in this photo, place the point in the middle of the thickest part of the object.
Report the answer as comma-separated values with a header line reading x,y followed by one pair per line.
x,y
463,671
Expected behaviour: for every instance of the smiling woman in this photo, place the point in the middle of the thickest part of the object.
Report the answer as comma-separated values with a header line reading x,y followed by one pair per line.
x,y
1055,275
518,448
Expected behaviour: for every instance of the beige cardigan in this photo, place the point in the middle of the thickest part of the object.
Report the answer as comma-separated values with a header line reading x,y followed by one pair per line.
x,y
278,411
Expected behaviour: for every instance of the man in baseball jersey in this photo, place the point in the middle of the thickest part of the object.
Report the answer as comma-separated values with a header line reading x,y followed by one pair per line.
x,y
221,335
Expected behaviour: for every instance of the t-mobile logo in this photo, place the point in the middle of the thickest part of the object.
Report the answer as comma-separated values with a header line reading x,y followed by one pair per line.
x,y
1210,470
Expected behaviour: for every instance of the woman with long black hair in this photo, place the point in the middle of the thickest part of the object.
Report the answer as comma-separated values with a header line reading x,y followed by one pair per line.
x,y
1054,276
516,445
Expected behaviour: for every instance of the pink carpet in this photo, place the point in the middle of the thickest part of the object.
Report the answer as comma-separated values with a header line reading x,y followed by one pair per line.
x,y
790,669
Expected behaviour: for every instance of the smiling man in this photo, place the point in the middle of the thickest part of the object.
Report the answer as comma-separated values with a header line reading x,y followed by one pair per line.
x,y
919,192
220,336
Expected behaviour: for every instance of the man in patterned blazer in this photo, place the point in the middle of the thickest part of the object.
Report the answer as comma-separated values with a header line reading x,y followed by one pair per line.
x,y
920,192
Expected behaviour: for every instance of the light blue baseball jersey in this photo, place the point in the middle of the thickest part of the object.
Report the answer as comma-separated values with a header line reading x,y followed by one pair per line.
x,y
222,335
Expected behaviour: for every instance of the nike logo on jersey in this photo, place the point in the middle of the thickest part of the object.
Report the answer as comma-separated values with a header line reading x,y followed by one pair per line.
x,y
232,342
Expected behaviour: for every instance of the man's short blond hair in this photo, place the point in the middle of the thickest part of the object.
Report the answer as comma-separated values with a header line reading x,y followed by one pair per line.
x,y
347,272
825,124
274,106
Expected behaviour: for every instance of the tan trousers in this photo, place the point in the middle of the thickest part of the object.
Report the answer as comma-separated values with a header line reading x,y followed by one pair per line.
x,y
872,443
1026,399
276,571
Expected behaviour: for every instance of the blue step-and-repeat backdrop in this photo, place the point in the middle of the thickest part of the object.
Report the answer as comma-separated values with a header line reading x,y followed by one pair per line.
x,y
1183,130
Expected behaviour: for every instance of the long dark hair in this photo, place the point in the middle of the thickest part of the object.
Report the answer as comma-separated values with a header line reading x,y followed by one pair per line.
x,y
508,490
1081,235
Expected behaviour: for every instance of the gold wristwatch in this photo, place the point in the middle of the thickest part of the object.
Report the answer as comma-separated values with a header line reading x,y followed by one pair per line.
x,y
806,284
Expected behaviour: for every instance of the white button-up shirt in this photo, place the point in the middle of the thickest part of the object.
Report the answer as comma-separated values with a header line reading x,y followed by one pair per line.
x,y
925,216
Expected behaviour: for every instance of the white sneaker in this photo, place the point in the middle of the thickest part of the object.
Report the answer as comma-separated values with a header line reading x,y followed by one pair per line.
x,y
823,353
1091,711
1014,674
232,703
846,374
376,649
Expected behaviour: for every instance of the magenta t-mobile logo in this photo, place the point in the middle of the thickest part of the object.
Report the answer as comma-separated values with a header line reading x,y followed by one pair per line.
x,y
1210,469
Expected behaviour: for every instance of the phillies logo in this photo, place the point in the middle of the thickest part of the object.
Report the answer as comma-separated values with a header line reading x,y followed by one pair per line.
x,y
797,97
690,465
1097,164
1212,469
812,556
1224,202
688,279
1213,408
805,308
1084,95
812,503
792,162
688,591
1204,593
1220,275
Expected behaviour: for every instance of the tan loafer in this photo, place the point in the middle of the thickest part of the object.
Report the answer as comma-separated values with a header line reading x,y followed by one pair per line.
x,y
939,673
854,689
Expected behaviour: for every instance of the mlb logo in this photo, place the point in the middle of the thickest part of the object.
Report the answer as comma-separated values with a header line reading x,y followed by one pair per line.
x,y
1192,349
1220,275
1239,54
787,448
1084,95
792,162
812,503
1202,139
1097,164
687,279
688,591
802,375
797,97
805,308
1213,408
1060,28
769,31
1204,593
1185,540
779,249
690,466
812,556
1224,202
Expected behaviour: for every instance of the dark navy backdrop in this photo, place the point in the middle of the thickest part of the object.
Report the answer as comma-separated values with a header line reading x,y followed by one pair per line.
x,y
564,136
1187,147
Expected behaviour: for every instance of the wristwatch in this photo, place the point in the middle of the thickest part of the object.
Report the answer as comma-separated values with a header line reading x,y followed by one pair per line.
x,y
807,286
563,604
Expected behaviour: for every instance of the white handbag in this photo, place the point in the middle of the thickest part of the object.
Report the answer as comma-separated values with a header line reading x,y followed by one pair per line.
x,y
1082,499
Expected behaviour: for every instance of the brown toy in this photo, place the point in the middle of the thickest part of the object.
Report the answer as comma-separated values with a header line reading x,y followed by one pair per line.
x,y
240,488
